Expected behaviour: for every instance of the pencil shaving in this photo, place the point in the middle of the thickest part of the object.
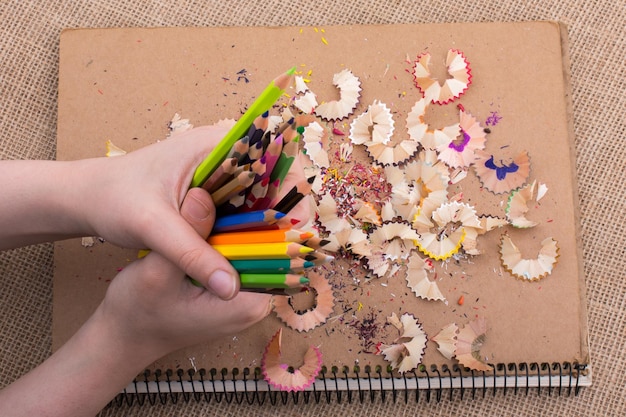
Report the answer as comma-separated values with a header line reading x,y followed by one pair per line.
x,y
452,88
113,150
178,125
418,282
407,350
395,239
308,320
517,205
374,126
529,269
469,341
280,376
502,177
349,89
313,137
459,150
446,340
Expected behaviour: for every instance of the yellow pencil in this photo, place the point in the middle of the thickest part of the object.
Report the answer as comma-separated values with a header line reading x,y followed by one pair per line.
x,y
276,250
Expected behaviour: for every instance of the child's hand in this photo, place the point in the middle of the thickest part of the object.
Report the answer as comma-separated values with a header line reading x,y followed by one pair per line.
x,y
135,201
156,307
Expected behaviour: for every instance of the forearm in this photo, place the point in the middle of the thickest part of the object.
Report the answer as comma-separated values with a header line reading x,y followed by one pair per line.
x,y
81,377
41,201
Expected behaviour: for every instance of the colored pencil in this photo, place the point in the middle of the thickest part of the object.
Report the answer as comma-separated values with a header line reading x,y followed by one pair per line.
x,y
240,148
283,223
222,174
317,258
288,155
261,236
276,291
242,221
264,102
233,205
316,242
265,201
257,191
291,132
268,266
272,153
273,280
259,167
267,138
294,196
254,152
285,125
258,128
275,250
232,188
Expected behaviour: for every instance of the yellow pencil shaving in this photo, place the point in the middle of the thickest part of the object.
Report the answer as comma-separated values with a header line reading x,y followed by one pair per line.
x,y
324,41
315,29
309,73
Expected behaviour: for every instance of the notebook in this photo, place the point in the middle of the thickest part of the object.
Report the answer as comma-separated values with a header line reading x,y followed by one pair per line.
x,y
126,85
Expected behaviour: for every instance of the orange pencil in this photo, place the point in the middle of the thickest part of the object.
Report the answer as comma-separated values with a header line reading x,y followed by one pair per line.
x,y
260,236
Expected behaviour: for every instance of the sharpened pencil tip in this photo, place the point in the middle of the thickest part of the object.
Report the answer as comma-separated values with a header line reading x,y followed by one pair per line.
x,y
292,71
304,280
279,215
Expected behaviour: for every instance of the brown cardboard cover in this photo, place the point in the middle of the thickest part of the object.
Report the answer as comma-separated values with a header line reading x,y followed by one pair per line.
x,y
126,84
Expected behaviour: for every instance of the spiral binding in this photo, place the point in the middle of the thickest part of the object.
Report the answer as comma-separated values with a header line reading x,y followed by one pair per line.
x,y
421,384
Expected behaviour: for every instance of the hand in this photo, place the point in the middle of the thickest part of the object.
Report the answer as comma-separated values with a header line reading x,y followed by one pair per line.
x,y
135,201
156,306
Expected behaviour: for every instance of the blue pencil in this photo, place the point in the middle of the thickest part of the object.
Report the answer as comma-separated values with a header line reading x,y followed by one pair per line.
x,y
243,221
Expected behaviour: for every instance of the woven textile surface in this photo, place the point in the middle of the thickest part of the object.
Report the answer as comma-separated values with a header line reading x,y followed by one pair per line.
x,y
29,50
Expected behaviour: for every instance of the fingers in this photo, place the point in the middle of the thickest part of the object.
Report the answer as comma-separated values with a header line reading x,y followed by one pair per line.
x,y
186,245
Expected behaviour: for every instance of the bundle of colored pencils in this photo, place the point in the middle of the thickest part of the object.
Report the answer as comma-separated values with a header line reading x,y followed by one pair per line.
x,y
245,174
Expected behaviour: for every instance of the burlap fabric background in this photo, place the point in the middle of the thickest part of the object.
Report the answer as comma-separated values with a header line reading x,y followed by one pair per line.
x,y
29,36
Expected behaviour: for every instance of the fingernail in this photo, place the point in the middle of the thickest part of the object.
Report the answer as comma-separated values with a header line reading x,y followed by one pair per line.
x,y
222,284
196,209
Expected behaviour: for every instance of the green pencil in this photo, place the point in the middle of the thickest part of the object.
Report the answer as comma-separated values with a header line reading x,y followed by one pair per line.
x,y
272,280
263,103
266,266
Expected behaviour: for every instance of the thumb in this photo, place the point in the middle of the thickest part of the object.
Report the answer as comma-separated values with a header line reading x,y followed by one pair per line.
x,y
204,261
199,211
